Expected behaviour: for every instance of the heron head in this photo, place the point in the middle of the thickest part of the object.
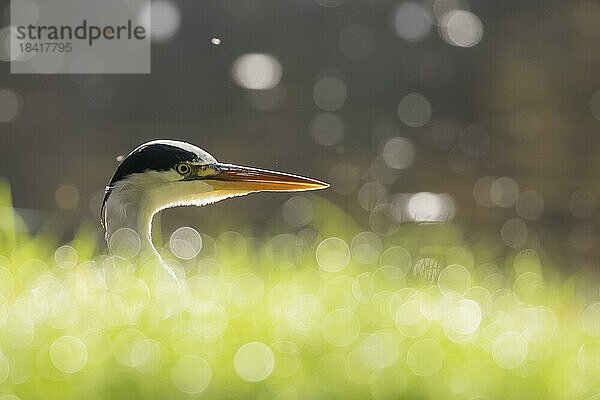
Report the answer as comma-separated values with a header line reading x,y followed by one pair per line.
x,y
166,173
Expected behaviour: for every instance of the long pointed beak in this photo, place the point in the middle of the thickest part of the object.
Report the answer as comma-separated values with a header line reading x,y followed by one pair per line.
x,y
254,179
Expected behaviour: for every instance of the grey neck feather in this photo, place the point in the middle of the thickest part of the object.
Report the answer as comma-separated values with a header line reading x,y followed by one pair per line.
x,y
128,207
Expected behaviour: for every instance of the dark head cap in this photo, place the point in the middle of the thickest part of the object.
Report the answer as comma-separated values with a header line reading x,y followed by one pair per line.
x,y
159,155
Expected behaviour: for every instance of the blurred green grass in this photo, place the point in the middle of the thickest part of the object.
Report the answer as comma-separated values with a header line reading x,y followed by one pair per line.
x,y
327,311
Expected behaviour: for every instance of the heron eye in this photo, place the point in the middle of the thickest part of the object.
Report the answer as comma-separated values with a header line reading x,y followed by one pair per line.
x,y
183,169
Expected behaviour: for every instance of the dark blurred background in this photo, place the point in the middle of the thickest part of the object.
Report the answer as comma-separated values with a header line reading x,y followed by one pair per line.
x,y
481,112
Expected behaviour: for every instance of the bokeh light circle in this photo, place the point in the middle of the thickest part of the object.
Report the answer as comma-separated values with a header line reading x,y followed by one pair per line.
x,y
514,233
125,242
185,243
541,325
383,220
67,196
161,18
298,211
327,129
257,71
357,369
371,195
66,257
411,21
456,278
482,191
398,153
232,246
425,357
463,318
254,361
146,355
509,350
461,28
414,110
333,254
431,207
380,350
530,205
397,257
504,192
366,247
191,374
68,354
410,320
330,93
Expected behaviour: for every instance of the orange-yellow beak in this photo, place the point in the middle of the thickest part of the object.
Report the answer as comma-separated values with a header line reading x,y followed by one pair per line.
x,y
253,179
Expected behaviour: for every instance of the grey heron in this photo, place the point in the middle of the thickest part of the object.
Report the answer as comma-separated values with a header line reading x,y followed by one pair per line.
x,y
165,173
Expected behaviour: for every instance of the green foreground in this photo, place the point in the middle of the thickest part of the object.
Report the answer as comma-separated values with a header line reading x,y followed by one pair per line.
x,y
327,311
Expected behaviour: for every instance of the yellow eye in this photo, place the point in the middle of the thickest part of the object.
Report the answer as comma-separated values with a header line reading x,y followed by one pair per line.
x,y
183,169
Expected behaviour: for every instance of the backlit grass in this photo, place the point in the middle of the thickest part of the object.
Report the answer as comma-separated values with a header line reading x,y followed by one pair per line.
x,y
330,310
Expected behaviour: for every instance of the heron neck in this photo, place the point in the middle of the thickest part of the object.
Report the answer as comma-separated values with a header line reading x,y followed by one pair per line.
x,y
127,208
